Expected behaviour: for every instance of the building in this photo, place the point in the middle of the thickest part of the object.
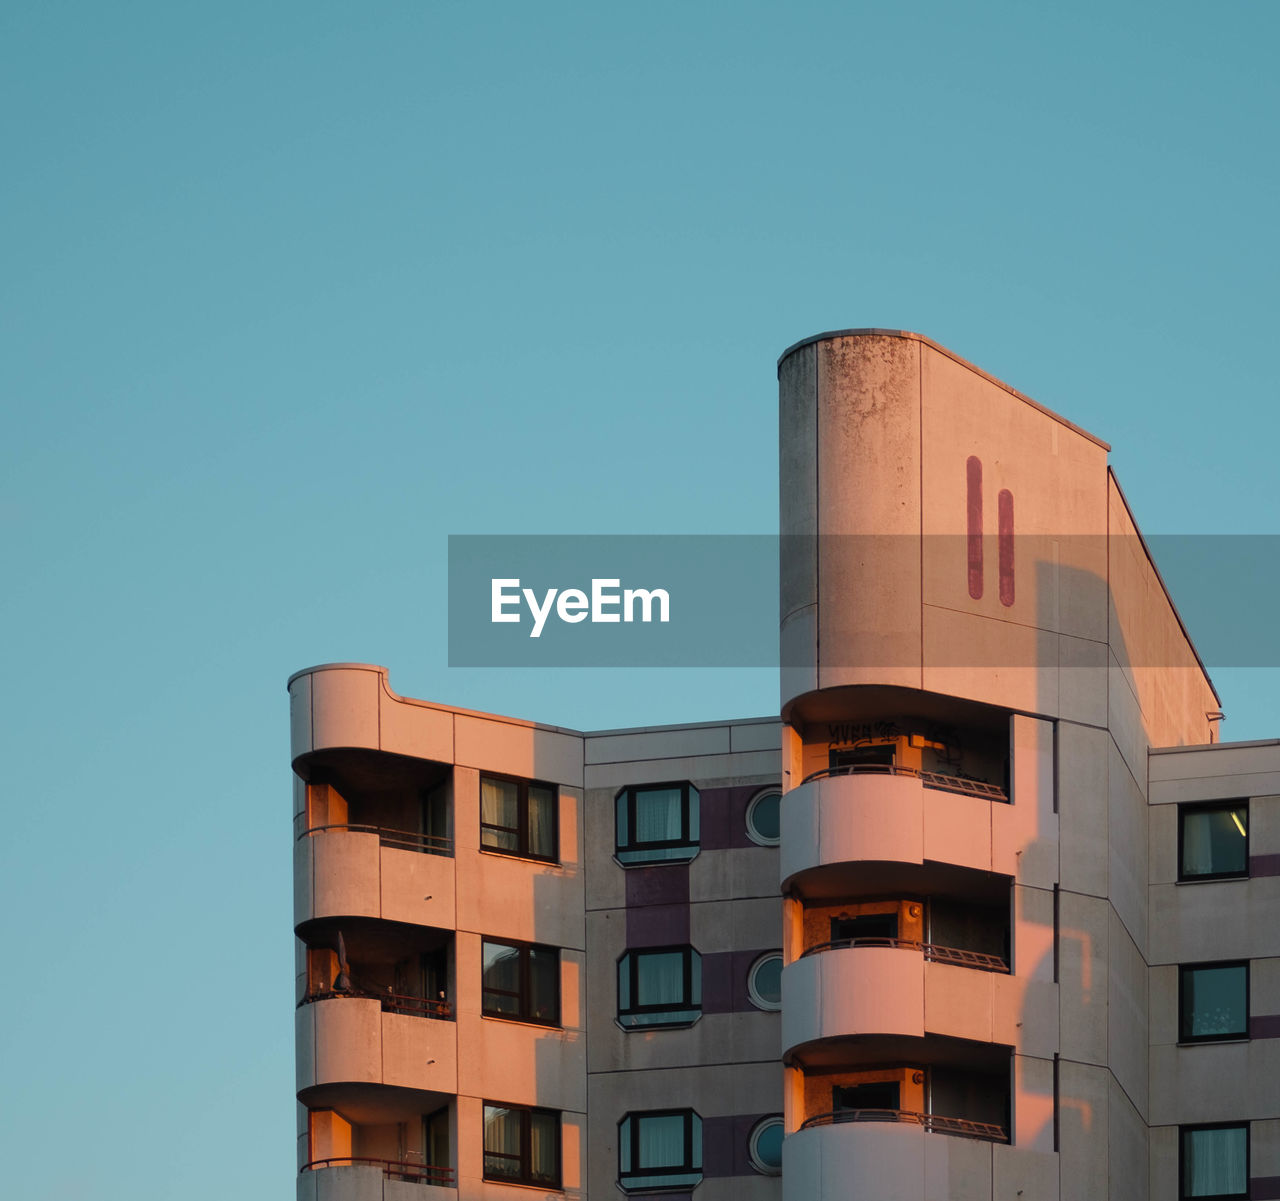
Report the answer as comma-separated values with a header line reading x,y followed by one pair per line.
x,y
986,912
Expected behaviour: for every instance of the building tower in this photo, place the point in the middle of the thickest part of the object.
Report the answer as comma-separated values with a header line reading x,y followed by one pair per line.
x,y
977,654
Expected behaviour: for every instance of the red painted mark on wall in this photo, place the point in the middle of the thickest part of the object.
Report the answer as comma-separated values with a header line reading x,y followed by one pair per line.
x,y
973,472
1004,509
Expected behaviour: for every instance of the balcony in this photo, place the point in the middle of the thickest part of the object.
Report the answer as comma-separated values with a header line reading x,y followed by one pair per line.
x,y
407,1172
933,953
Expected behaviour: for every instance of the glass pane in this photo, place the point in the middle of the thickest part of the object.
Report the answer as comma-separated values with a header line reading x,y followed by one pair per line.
x,y
660,1141
544,985
768,1145
624,982
501,1141
766,979
659,815
544,1147
499,802
765,819
1213,1162
542,821
1215,1001
1215,841
501,976
660,978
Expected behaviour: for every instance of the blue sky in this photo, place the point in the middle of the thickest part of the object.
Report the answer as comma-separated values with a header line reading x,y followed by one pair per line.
x,y
292,292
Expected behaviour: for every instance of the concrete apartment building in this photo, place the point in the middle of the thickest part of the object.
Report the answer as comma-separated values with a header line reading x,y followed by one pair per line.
x,y
987,912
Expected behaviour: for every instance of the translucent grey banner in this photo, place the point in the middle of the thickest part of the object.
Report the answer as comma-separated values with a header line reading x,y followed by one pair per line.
x,y
715,600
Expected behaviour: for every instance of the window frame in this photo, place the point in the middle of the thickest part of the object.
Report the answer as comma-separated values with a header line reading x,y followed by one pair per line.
x,y
1232,1037
754,995
753,1141
631,959
1183,1131
1194,807
521,831
524,995
525,1175
752,833
634,849
642,1178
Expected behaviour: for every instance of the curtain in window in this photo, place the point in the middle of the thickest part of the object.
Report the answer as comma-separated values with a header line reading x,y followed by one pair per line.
x,y
542,816
501,1141
1214,1162
544,1147
658,815
660,979
660,1141
499,806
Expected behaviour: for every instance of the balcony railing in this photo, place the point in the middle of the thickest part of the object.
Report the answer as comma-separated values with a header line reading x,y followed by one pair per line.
x,y
932,1122
392,1002
930,779
415,1173
932,951
406,840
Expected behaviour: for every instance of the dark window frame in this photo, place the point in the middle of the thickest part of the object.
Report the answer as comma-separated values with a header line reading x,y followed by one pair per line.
x,y
524,995
524,1173
637,1172
521,830
1234,1036
631,960
1211,807
633,847
1183,1131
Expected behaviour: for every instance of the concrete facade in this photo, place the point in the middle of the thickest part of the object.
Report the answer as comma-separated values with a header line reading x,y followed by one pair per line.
x,y
983,913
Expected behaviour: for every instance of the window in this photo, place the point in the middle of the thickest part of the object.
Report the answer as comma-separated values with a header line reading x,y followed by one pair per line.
x,y
521,1145
764,823
521,982
656,823
1214,1161
875,1094
765,1145
660,1149
519,817
660,987
1213,841
1213,1002
764,981
882,926
872,757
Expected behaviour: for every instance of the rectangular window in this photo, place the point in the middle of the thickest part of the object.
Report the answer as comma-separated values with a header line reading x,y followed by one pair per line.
x,y
876,1094
1213,841
1214,1161
519,817
522,1145
657,823
1213,1002
521,982
661,986
660,1149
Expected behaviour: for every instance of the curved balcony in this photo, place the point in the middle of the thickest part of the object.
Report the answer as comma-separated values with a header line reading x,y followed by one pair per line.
x,y
360,1178
365,871
889,814
356,1040
895,987
877,1157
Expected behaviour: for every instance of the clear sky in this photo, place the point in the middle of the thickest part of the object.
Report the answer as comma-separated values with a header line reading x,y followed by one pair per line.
x,y
292,291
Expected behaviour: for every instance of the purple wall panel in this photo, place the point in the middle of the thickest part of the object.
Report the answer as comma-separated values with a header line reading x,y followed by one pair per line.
x,y
658,926
723,817
724,980
1264,1026
664,884
1264,865
725,1150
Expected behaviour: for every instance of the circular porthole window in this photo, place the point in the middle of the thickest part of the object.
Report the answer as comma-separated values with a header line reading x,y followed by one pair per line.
x,y
765,1145
764,818
764,981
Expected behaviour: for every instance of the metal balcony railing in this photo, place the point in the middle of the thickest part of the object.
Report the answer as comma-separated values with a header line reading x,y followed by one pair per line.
x,y
932,1122
415,1173
407,840
932,951
427,1007
930,779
